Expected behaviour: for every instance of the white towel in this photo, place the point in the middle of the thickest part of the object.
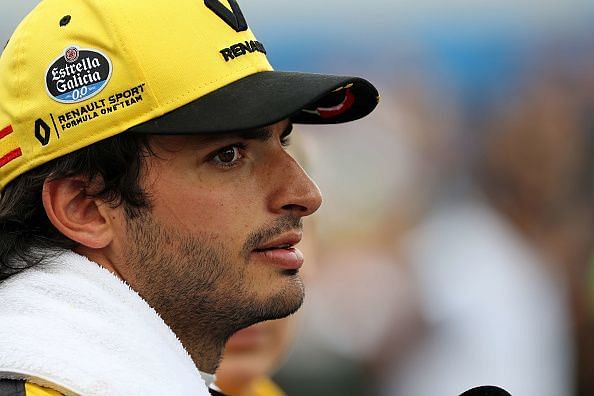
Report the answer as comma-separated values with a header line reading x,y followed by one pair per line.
x,y
73,326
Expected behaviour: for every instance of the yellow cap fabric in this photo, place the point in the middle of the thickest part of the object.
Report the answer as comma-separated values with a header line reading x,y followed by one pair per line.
x,y
76,72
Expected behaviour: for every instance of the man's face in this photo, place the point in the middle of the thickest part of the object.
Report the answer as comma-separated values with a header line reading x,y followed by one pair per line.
x,y
215,249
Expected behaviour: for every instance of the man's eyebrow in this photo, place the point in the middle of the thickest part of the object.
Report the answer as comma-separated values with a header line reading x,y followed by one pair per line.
x,y
260,134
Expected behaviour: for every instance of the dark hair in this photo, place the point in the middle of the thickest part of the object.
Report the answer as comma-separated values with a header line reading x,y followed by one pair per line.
x,y
113,167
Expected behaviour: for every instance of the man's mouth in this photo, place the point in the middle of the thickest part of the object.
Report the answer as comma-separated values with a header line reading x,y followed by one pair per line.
x,y
275,247
281,251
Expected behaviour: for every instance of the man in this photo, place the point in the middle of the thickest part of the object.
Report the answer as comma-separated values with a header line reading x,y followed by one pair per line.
x,y
149,209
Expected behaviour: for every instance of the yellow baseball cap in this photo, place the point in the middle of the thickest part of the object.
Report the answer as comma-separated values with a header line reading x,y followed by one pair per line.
x,y
77,72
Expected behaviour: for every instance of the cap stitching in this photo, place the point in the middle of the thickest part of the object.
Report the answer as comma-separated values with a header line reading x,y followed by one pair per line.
x,y
19,59
133,57
196,87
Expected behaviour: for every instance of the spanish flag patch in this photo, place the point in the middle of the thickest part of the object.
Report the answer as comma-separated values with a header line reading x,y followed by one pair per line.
x,y
5,158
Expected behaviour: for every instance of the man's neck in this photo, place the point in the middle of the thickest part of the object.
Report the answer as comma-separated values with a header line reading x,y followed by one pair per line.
x,y
200,334
206,355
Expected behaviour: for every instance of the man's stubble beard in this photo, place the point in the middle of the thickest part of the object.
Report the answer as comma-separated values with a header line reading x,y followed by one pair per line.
x,y
199,287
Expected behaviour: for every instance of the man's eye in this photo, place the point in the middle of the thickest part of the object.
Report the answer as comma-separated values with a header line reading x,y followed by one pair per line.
x,y
228,156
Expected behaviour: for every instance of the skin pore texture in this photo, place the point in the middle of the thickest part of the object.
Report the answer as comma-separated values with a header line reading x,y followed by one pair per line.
x,y
213,254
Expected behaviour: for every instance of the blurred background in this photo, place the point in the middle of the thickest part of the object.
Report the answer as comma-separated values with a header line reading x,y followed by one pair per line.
x,y
454,247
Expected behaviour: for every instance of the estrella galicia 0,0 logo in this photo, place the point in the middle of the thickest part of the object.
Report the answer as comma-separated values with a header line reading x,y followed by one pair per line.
x,y
77,75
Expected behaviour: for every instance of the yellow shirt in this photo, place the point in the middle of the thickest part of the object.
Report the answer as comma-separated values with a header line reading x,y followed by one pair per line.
x,y
260,387
36,390
264,387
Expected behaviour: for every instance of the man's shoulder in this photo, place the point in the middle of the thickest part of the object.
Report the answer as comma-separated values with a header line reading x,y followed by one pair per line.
x,y
11,387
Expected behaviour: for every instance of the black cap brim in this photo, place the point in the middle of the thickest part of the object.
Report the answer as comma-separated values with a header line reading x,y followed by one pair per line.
x,y
268,97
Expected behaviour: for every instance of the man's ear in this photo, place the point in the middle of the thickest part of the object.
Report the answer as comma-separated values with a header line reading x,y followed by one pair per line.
x,y
83,219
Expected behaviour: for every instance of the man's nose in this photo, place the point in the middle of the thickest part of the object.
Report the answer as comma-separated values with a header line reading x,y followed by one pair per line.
x,y
294,191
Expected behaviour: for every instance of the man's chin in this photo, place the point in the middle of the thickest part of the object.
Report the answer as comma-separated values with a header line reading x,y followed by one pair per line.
x,y
279,306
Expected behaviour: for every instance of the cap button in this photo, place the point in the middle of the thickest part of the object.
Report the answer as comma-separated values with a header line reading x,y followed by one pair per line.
x,y
65,20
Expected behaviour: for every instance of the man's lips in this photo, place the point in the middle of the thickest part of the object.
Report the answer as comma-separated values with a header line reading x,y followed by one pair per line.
x,y
281,241
281,252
